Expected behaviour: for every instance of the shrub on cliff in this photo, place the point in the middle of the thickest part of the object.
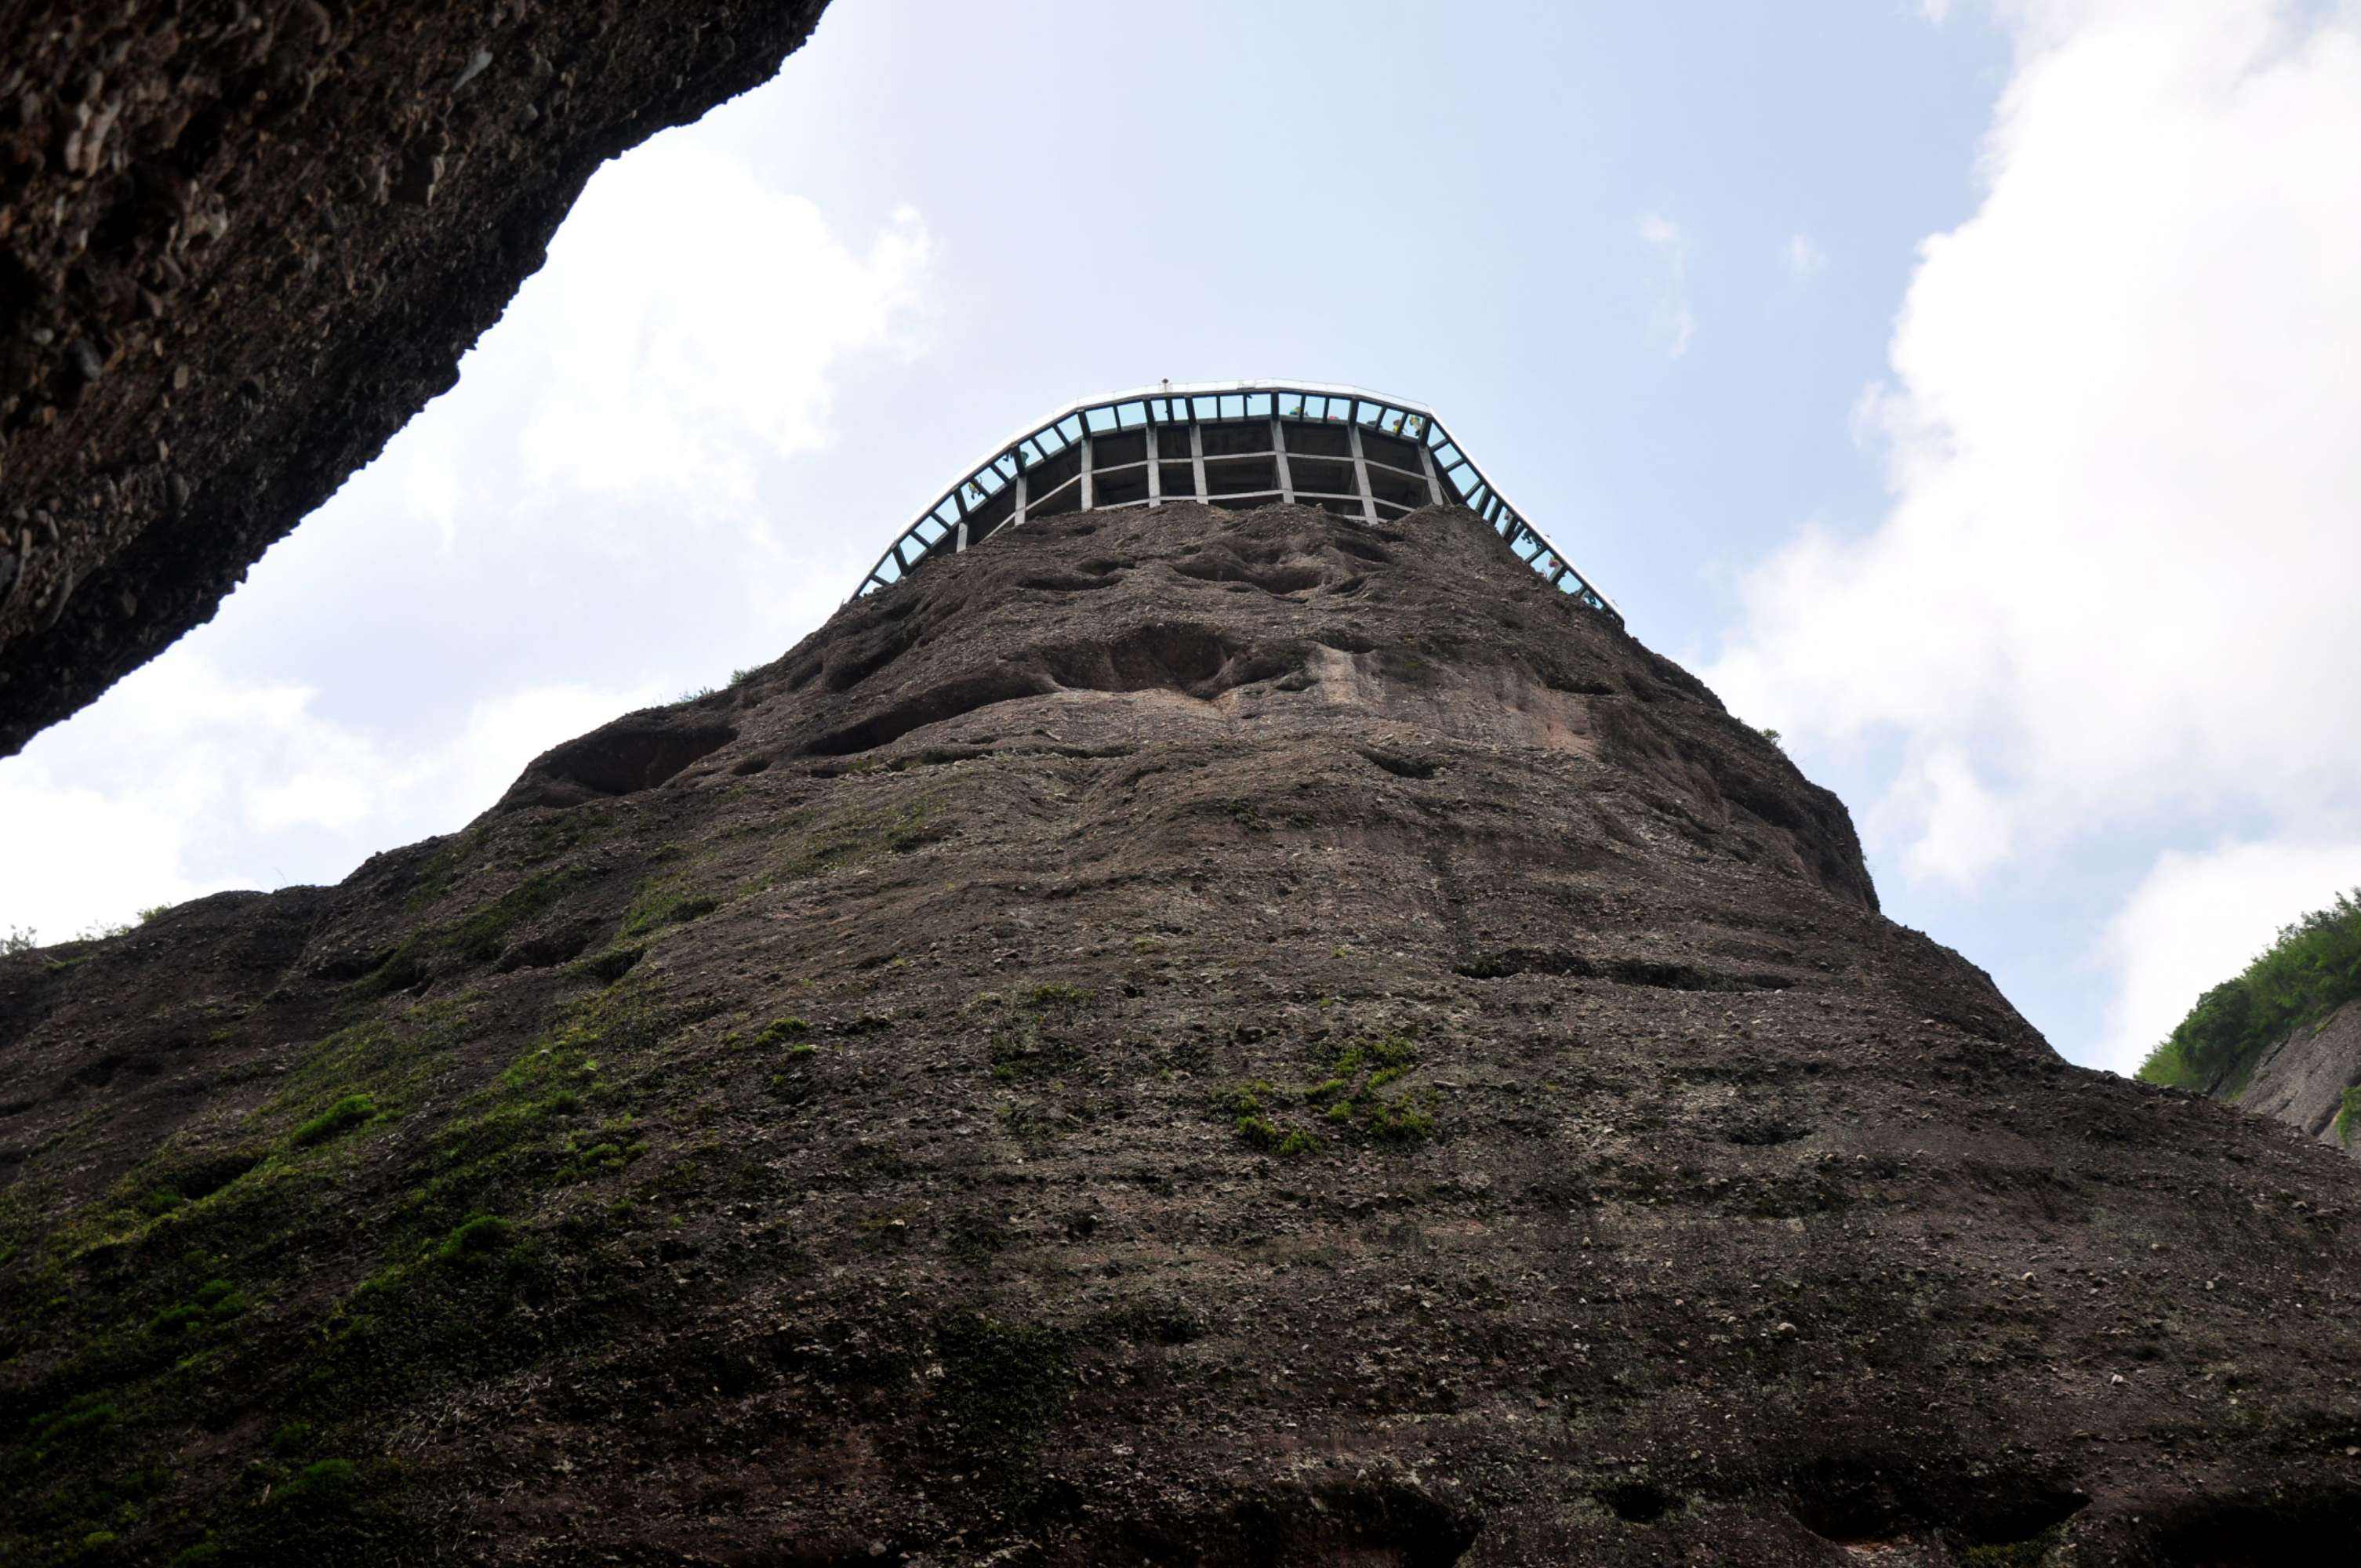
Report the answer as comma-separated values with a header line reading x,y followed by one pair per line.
x,y
2313,969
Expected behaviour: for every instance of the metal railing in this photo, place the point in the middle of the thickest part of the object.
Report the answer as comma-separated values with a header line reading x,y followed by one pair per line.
x,y
1229,444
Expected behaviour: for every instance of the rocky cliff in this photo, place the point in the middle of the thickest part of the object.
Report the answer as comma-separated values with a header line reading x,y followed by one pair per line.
x,y
1181,1037
2311,1080
241,244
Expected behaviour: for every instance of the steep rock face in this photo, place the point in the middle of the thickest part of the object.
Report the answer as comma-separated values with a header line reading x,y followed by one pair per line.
x,y
2304,1079
1186,1037
241,244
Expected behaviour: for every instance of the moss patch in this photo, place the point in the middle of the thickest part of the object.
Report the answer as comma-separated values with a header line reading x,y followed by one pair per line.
x,y
660,904
352,1110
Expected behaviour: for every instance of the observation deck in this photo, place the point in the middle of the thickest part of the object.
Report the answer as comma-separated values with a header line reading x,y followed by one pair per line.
x,y
1357,454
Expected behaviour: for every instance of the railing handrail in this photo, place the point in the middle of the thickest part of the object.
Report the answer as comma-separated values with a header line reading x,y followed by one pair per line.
x,y
950,507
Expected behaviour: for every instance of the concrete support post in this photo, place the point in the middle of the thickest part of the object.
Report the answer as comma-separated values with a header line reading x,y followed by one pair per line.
x,y
1278,455
1197,457
1361,476
962,545
1426,465
1088,500
1155,472
1024,476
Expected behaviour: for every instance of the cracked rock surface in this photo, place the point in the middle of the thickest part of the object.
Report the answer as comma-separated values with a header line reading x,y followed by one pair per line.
x,y
1181,1037
242,243
2306,1078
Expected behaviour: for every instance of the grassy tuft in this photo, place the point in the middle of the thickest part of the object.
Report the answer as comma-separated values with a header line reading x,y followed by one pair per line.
x,y
1250,1104
342,1117
658,904
477,1236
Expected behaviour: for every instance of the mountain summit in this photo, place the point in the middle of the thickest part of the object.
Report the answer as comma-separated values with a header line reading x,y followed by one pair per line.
x,y
1175,1035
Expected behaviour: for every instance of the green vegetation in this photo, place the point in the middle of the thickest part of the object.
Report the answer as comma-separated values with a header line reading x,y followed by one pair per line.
x,y
2311,970
174,1320
18,939
2348,1114
609,966
737,678
1250,1104
2029,1553
369,1071
815,843
147,1310
482,933
473,1305
434,878
342,1116
520,1135
780,1030
658,904
479,936
1351,1099
477,1236
324,1483
1354,1093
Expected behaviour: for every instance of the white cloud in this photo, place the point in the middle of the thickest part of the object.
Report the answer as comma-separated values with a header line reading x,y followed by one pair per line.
x,y
2197,919
1675,318
1935,11
253,788
1805,258
690,319
2114,587
1961,826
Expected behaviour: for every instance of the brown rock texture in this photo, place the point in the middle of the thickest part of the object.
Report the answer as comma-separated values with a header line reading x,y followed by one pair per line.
x,y
242,243
1178,1037
2302,1080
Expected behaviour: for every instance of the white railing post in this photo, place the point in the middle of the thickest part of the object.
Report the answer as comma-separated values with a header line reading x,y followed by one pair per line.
x,y
1361,475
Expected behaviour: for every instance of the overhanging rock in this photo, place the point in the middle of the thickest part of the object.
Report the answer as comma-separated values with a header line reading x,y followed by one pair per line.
x,y
241,245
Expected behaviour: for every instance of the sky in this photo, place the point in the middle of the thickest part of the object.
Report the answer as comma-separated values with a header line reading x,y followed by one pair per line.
x,y
1964,387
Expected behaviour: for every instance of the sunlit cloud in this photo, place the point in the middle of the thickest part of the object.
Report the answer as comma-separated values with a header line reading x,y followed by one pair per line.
x,y
2111,592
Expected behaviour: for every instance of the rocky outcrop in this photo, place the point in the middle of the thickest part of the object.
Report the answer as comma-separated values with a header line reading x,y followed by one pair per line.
x,y
241,244
1178,1038
2304,1079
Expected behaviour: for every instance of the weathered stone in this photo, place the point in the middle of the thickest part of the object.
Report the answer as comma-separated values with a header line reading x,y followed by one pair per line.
x,y
1078,1062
